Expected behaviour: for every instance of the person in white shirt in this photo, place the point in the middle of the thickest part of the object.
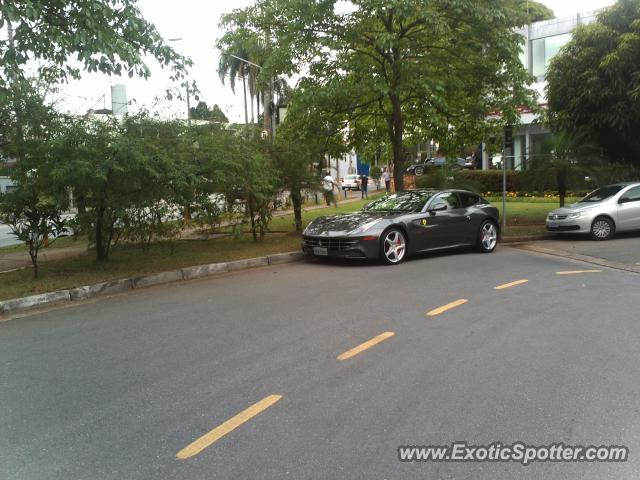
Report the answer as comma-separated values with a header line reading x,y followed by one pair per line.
x,y
387,179
327,186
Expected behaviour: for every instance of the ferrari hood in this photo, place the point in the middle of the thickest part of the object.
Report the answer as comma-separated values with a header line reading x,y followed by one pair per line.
x,y
335,225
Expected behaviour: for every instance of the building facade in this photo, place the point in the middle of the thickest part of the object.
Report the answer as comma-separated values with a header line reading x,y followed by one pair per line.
x,y
543,40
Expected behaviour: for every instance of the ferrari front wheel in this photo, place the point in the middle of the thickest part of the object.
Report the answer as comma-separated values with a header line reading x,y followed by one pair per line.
x,y
393,247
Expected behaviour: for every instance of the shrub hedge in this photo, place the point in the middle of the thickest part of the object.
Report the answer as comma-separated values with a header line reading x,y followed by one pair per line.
x,y
481,181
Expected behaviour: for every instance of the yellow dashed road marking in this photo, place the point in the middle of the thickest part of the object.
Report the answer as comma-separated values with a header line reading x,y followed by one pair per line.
x,y
512,284
446,307
220,431
363,346
575,272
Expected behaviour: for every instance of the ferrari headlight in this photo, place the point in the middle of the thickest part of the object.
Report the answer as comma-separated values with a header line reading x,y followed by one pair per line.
x,y
364,227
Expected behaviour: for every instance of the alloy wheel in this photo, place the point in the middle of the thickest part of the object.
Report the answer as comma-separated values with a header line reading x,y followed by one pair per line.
x,y
601,229
394,246
488,236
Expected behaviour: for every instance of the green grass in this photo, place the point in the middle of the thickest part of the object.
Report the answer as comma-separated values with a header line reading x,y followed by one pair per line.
x,y
524,218
61,242
527,211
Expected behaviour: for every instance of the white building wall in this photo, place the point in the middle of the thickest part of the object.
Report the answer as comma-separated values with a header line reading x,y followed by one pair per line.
x,y
6,184
543,40
339,167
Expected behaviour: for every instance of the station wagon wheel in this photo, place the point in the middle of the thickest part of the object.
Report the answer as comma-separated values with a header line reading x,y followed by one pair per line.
x,y
602,228
393,247
419,170
488,237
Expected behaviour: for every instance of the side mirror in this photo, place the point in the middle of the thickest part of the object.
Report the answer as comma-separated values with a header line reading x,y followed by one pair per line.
x,y
623,199
438,208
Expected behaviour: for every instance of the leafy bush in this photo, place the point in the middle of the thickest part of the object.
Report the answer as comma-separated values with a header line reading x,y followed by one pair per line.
x,y
475,180
33,216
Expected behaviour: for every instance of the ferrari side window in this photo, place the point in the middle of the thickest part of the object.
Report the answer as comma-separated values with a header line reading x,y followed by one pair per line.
x,y
468,199
448,198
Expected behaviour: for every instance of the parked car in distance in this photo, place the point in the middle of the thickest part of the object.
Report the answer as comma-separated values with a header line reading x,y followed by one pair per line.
x,y
404,223
351,182
602,213
436,162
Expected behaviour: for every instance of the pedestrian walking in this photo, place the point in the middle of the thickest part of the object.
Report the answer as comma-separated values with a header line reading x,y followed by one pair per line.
x,y
387,179
327,187
364,185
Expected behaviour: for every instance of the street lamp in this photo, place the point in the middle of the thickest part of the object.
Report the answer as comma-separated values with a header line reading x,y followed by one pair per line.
x,y
178,39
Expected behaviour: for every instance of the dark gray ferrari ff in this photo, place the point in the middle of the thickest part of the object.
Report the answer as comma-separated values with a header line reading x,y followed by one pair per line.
x,y
404,223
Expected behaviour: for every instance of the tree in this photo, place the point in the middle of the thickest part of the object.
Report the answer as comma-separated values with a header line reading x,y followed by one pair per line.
x,y
33,211
115,167
567,158
107,36
33,214
536,11
38,118
305,138
397,69
231,65
203,112
594,83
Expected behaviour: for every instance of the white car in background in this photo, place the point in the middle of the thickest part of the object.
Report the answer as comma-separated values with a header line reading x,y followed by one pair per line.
x,y
610,209
351,182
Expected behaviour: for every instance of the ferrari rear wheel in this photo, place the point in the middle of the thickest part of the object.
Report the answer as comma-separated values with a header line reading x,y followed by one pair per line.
x,y
393,247
488,237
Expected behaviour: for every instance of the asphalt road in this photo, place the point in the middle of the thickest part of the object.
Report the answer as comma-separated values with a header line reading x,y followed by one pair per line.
x,y
623,248
114,389
6,238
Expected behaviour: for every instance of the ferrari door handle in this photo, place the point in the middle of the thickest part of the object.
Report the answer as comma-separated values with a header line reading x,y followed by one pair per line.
x,y
468,217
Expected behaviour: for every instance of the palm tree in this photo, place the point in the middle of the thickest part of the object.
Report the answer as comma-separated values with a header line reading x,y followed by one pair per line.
x,y
232,67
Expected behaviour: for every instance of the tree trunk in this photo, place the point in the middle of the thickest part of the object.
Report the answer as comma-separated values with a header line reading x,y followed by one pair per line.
x,y
296,200
396,128
252,116
561,178
244,89
101,252
266,118
253,220
33,253
257,106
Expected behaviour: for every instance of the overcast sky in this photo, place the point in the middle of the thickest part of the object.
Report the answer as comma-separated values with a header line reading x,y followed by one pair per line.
x,y
196,22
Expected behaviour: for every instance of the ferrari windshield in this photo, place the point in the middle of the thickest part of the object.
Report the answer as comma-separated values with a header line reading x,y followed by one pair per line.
x,y
403,202
601,194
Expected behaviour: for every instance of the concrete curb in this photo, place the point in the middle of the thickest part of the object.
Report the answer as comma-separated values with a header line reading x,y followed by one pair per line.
x,y
86,292
525,238
104,288
204,270
247,263
157,279
33,301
